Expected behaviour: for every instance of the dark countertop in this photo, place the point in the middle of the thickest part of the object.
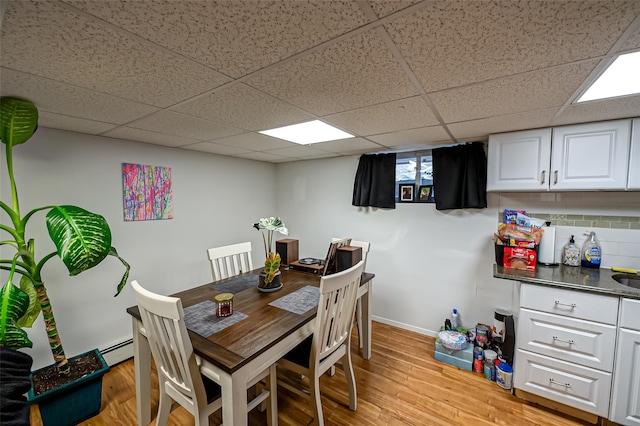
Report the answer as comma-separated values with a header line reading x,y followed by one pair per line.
x,y
570,277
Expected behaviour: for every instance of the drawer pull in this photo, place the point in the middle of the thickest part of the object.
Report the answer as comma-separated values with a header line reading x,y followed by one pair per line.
x,y
553,382
562,340
571,305
544,177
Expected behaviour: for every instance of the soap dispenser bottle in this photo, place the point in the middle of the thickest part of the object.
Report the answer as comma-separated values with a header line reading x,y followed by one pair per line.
x,y
591,254
571,253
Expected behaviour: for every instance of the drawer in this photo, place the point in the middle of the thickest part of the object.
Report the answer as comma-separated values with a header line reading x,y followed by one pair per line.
x,y
575,304
630,314
580,387
587,343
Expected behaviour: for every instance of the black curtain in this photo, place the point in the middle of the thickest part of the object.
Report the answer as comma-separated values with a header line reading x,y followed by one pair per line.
x,y
460,177
375,181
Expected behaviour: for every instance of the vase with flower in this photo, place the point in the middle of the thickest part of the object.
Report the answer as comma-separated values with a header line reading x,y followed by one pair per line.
x,y
270,277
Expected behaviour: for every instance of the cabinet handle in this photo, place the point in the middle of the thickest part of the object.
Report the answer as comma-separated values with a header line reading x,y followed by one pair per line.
x,y
571,305
543,177
553,382
562,340
555,177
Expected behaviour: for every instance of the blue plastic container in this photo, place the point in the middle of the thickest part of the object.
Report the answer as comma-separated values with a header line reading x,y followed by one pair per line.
x,y
73,402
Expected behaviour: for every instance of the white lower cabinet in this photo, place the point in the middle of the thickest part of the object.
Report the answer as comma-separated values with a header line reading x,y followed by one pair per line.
x,y
571,384
625,397
566,342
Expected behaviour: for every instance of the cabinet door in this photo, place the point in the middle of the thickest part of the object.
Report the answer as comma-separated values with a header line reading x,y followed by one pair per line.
x,y
519,161
634,160
590,156
625,400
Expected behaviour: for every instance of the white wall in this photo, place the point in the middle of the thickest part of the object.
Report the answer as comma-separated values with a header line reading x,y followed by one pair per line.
x,y
216,201
426,262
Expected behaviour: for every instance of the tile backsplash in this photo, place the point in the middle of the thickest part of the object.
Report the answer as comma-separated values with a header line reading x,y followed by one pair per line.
x,y
619,236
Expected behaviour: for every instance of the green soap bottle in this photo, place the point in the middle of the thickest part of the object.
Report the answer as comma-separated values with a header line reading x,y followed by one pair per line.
x,y
591,254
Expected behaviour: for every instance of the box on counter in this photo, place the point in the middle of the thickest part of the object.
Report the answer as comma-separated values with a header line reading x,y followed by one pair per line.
x,y
520,258
462,359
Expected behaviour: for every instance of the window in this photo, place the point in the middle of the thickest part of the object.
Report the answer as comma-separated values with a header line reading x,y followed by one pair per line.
x,y
408,172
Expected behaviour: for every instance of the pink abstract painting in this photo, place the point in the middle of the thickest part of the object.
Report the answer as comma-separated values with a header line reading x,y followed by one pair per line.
x,y
147,192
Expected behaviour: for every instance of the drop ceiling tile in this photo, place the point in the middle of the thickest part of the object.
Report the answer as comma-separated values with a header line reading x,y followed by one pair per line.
x,y
600,110
174,123
235,37
348,145
422,136
244,107
146,136
299,151
265,156
72,124
479,129
383,8
384,118
356,72
519,93
452,43
67,46
632,43
214,148
70,100
254,142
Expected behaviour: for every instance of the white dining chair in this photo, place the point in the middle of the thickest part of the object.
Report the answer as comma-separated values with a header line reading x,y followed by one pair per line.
x,y
182,376
330,343
365,251
228,261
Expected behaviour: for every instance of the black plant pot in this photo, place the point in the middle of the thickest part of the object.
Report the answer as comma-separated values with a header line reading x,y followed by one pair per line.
x,y
15,371
274,285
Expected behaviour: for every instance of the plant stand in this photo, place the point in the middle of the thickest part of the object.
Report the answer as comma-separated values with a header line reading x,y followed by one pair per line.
x,y
72,402
14,383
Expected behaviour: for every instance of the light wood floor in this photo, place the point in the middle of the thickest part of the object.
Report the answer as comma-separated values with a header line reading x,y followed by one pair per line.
x,y
402,384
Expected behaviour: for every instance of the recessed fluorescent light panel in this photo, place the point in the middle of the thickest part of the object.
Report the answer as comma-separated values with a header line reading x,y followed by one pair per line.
x,y
310,132
620,79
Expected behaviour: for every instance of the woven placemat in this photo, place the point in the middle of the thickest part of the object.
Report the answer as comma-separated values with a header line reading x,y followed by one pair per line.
x,y
201,318
300,301
236,285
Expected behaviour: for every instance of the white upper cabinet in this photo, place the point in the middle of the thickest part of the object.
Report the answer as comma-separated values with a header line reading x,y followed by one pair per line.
x,y
590,156
583,157
519,161
634,161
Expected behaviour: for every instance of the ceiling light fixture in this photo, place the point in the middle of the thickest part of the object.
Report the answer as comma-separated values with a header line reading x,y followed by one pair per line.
x,y
307,133
619,79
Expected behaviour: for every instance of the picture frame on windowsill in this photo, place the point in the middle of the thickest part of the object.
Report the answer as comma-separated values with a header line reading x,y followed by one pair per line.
x,y
425,194
405,193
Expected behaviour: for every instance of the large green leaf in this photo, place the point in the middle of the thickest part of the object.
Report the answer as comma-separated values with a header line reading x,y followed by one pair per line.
x,y
33,310
83,239
13,305
18,120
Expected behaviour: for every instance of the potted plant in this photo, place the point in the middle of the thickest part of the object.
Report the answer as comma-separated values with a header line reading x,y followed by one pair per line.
x,y
82,240
270,276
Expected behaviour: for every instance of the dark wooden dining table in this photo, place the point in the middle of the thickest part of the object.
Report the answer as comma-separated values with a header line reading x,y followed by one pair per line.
x,y
238,353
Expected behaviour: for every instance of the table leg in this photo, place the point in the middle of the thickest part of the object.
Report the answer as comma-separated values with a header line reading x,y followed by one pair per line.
x,y
234,398
142,368
366,321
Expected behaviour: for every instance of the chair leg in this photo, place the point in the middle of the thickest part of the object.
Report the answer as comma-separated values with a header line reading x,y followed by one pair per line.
x,y
316,403
359,323
272,407
351,380
164,407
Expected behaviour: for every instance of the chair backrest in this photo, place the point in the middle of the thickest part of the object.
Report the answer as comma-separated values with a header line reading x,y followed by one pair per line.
x,y
365,248
334,320
228,261
163,321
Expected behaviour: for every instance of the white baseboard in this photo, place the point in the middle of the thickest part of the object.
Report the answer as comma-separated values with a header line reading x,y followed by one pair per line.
x,y
117,353
404,326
